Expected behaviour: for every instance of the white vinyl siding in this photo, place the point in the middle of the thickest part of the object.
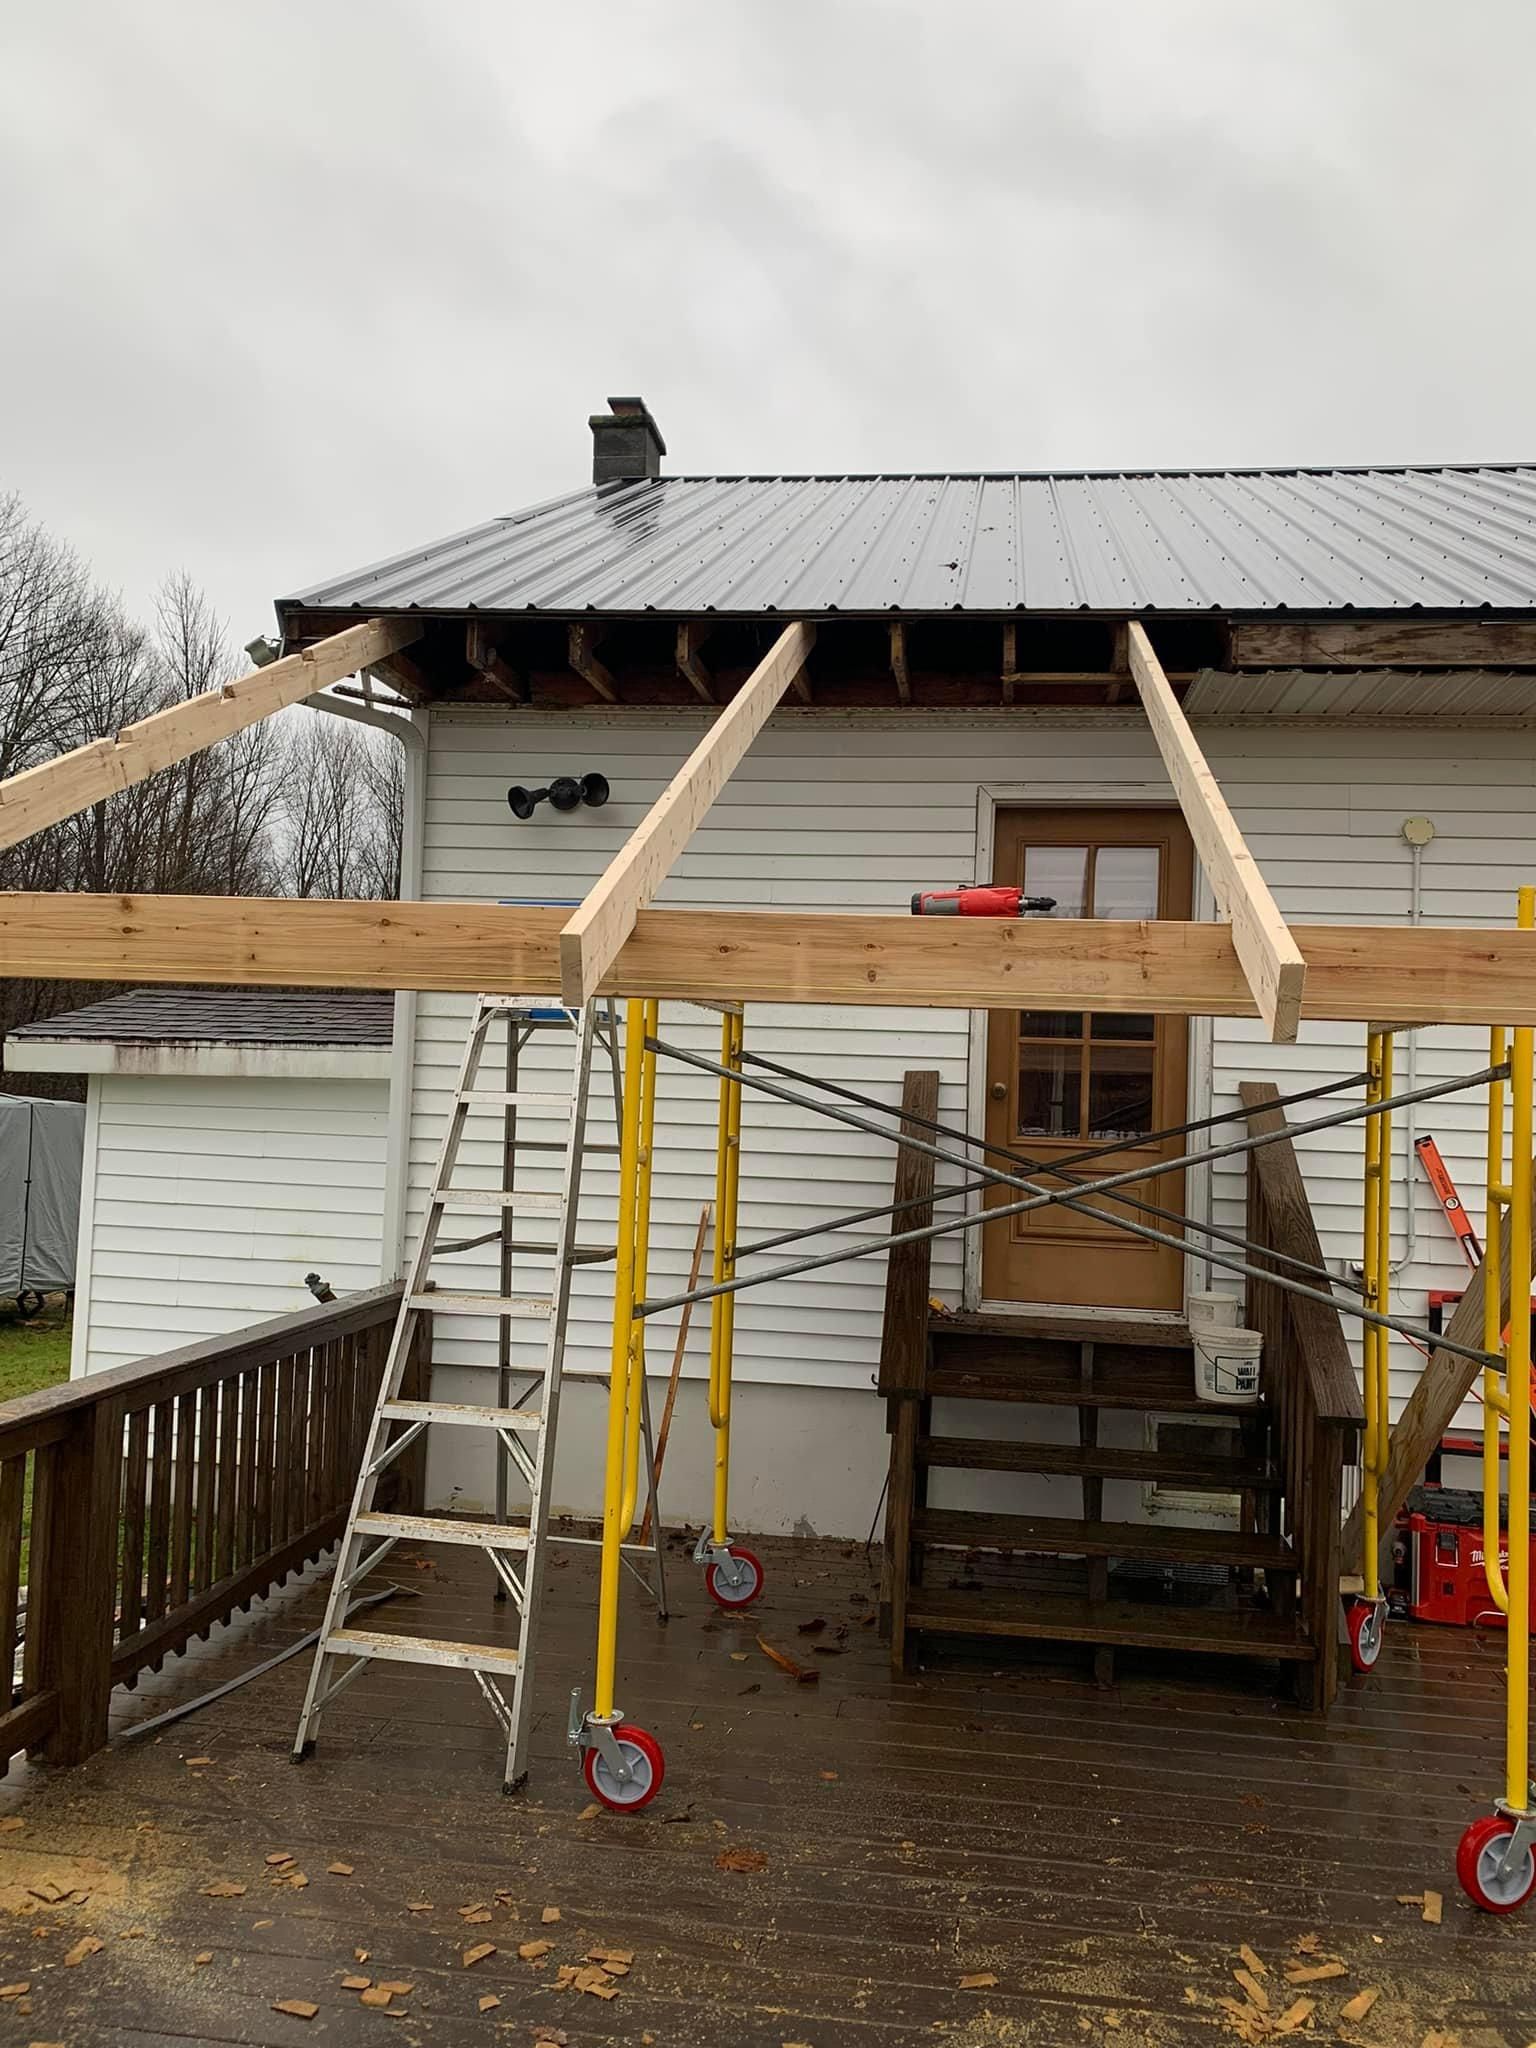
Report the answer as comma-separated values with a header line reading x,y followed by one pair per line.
x,y
209,1200
832,815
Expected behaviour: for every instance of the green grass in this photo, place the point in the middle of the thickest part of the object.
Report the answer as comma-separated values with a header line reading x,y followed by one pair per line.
x,y
33,1354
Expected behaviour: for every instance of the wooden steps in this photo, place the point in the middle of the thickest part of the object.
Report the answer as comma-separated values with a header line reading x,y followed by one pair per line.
x,y
1188,1470
1074,1618
1067,1536
986,1367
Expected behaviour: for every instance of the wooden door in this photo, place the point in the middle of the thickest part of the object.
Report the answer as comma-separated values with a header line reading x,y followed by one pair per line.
x,y
1060,1082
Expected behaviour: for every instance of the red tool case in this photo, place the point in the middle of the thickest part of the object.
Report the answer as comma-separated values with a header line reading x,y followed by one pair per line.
x,y
1438,1555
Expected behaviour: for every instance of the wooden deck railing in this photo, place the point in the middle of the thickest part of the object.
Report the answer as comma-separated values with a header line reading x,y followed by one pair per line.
x,y
142,1506
1311,1394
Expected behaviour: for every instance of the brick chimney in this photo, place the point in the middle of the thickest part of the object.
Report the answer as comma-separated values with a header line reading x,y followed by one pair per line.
x,y
626,442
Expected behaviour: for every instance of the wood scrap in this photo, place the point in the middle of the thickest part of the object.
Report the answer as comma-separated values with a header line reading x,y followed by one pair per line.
x,y
1434,1907
530,1951
376,1997
488,2003
1252,1962
339,1869
1359,2005
550,1915
203,1957
87,1945
1255,1991
1315,1973
355,1983
477,1954
978,1980
398,1987
296,2008
1296,2015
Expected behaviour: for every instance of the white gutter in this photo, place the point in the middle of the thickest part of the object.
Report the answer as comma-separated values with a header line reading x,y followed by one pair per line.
x,y
412,732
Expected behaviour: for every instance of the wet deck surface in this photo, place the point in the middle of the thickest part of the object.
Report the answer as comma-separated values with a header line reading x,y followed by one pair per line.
x,y
1102,1854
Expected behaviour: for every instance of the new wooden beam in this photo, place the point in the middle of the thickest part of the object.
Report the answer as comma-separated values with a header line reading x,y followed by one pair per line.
x,y
481,652
55,790
1443,975
1271,960
581,650
1384,643
690,637
590,942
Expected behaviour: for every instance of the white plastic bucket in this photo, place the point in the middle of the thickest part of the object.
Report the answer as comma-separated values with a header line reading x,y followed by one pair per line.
x,y
1227,1365
1215,1311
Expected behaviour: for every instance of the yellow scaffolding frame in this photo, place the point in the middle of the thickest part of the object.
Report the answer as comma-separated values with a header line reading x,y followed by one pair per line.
x,y
722,1310
1509,1406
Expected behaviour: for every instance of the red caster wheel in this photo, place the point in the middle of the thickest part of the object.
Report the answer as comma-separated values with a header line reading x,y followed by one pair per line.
x,y
1478,1857
642,1752
1364,1622
737,1584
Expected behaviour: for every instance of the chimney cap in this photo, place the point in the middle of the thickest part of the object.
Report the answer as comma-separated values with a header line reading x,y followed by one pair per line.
x,y
632,412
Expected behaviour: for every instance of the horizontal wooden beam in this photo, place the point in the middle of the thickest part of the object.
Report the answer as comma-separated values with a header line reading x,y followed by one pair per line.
x,y
1436,974
55,790
1271,960
591,940
1384,643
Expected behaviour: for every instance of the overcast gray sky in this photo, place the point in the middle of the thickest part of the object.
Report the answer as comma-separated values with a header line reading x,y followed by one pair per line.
x,y
295,285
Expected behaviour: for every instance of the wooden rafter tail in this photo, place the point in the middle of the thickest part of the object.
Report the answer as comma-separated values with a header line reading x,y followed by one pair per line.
x,y
1270,956
691,636
899,667
57,789
483,656
582,653
590,943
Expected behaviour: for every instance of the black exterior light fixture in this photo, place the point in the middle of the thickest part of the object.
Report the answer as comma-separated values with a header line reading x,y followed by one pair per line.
x,y
565,793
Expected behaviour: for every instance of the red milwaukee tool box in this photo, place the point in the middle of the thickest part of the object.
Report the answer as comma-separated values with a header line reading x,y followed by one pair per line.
x,y
1439,1558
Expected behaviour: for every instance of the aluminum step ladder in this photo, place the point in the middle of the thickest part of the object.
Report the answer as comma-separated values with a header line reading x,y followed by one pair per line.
x,y
522,1425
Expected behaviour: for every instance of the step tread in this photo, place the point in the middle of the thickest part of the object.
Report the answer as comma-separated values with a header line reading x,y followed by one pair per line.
x,y
442,1529
1158,1384
547,1203
368,1642
1072,1329
465,1413
1074,1461
1066,1535
1073,1618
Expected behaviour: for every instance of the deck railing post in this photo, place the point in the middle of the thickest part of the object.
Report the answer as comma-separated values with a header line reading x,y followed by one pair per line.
x,y
71,1607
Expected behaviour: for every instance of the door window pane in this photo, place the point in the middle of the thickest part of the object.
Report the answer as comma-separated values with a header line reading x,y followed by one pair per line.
x,y
1119,1091
1138,1027
1050,1024
1125,881
1049,1091
1059,871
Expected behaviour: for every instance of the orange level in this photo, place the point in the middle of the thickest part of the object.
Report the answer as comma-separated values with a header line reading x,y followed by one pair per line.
x,y
1439,1176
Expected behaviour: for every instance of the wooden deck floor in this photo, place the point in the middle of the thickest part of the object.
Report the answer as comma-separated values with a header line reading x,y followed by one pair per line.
x,y
1103,1855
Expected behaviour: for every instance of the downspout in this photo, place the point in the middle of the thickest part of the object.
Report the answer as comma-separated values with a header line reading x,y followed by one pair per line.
x,y
412,733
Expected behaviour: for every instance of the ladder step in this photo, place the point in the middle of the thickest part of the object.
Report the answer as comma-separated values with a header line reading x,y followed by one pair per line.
x,y
487,1303
368,1642
462,1412
559,1145
499,1198
442,1529
518,1098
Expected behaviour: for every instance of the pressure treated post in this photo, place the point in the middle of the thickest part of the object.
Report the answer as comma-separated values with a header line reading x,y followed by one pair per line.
x,y
71,1595
904,1352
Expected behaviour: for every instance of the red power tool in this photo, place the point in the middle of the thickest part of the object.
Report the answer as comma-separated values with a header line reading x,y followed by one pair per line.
x,y
976,901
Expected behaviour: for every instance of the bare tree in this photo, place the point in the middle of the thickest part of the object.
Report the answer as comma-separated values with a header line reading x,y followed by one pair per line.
x,y
341,810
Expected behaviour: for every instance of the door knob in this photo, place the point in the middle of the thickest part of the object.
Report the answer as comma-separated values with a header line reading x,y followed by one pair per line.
x,y
999,1091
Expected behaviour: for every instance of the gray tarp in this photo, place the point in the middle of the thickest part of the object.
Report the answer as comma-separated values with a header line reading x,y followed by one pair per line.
x,y
41,1144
